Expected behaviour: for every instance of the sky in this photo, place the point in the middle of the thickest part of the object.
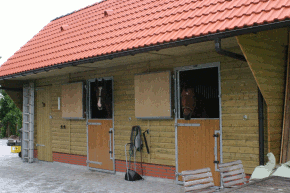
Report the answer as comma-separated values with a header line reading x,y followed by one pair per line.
x,y
20,20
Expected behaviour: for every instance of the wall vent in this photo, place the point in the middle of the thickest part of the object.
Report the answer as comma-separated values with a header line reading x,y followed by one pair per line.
x,y
108,12
64,27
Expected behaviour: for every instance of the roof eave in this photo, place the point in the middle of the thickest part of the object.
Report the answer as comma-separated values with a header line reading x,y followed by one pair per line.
x,y
209,37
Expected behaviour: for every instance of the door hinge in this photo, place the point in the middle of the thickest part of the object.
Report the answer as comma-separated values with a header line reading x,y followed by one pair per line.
x,y
110,152
110,131
216,162
216,135
177,174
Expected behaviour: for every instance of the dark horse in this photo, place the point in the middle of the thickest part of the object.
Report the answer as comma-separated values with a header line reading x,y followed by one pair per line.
x,y
192,104
103,91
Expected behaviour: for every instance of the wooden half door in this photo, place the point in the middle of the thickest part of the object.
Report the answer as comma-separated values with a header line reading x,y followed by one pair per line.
x,y
198,139
100,144
100,155
196,145
44,149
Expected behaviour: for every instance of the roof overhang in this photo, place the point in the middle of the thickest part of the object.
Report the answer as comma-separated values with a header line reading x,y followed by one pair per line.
x,y
171,44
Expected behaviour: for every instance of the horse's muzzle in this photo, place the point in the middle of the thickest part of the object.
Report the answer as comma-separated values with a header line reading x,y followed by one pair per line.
x,y
187,117
187,112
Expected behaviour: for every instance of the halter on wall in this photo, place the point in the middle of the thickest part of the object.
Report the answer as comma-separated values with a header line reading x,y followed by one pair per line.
x,y
186,107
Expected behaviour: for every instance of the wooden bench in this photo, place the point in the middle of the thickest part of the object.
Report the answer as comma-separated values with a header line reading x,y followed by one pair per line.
x,y
232,173
200,180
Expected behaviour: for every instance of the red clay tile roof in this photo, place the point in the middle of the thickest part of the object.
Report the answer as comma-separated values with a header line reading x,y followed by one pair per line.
x,y
130,24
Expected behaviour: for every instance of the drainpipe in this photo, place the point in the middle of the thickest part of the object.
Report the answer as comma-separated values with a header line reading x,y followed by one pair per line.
x,y
261,127
220,51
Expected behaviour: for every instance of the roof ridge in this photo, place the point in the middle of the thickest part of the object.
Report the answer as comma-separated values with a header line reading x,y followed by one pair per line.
x,y
78,10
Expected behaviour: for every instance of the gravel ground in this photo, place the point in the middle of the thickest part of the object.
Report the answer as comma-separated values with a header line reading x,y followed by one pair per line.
x,y
53,177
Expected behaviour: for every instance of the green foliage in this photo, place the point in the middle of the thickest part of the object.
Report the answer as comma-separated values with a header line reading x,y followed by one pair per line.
x,y
9,113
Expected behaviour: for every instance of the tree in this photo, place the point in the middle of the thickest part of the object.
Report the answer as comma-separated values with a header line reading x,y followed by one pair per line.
x,y
10,116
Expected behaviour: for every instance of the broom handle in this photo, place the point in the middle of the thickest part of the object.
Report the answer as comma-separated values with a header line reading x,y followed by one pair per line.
x,y
146,142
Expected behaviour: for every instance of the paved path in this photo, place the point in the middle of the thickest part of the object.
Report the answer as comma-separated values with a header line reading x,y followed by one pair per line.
x,y
42,177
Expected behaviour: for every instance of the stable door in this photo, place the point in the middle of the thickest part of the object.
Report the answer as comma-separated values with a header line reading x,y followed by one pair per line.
x,y
196,145
43,142
198,128
100,125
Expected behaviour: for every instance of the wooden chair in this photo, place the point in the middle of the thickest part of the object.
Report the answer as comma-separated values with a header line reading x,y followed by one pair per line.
x,y
232,173
198,180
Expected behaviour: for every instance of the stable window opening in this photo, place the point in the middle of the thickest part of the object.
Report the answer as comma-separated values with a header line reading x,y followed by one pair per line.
x,y
101,99
199,93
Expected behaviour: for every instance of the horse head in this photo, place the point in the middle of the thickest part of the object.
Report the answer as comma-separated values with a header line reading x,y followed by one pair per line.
x,y
99,94
104,97
188,102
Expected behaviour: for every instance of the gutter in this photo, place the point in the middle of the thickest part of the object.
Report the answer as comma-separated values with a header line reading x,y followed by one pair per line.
x,y
171,44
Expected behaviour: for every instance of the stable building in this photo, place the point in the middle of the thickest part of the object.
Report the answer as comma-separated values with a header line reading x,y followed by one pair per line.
x,y
88,77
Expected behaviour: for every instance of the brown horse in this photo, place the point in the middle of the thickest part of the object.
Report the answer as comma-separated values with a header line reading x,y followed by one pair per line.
x,y
192,104
104,98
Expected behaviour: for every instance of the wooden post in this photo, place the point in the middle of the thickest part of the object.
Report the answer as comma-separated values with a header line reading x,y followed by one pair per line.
x,y
285,147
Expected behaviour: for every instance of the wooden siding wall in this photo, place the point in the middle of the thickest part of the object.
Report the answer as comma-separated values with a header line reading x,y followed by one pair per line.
x,y
72,139
239,97
266,56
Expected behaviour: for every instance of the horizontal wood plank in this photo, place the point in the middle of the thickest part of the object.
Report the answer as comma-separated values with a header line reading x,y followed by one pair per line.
x,y
232,183
191,172
235,177
221,165
197,182
235,172
226,169
199,187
